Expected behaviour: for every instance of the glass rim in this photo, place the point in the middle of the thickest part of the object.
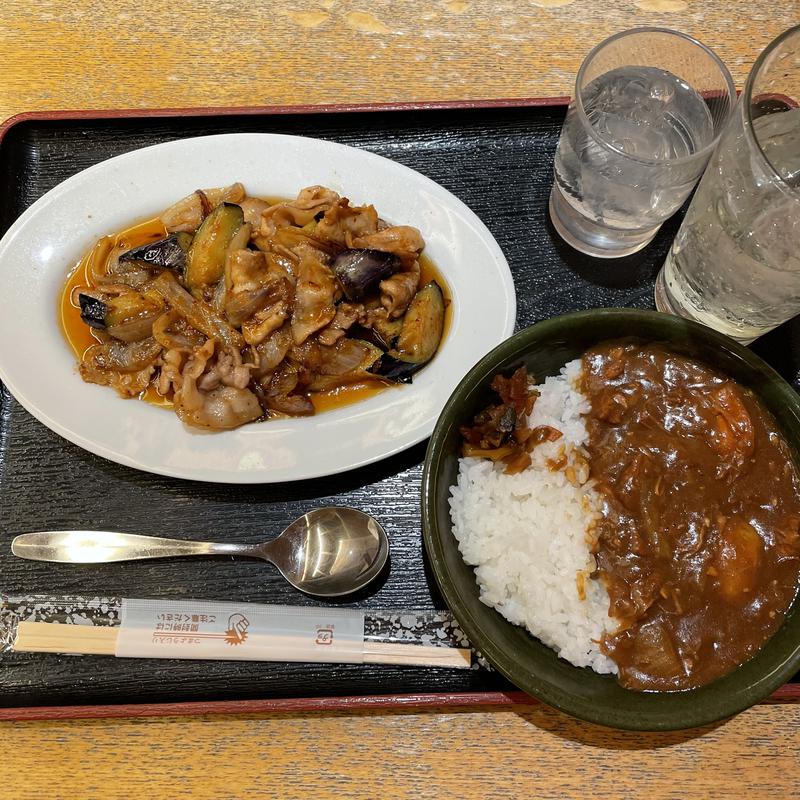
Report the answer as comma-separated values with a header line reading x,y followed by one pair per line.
x,y
747,108
725,72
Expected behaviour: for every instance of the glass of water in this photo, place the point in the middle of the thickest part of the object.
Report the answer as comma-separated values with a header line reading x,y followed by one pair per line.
x,y
649,106
735,263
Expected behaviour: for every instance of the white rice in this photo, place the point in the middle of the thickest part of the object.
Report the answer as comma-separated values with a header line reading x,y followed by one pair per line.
x,y
528,535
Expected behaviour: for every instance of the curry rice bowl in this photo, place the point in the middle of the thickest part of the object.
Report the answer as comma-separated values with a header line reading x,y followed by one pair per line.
x,y
529,535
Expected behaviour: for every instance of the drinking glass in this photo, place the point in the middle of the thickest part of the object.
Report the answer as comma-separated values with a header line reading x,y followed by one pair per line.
x,y
735,263
649,106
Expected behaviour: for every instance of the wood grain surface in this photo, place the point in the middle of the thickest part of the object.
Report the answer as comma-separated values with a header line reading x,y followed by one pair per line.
x,y
125,54
487,753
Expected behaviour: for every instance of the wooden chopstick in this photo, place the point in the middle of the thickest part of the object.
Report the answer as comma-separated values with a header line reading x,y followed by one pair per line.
x,y
48,637
416,655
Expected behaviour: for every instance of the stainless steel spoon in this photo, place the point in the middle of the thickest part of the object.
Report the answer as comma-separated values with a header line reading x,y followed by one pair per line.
x,y
327,552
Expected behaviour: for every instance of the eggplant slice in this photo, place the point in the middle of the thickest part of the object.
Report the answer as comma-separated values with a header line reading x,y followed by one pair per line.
x,y
169,253
205,261
420,335
360,271
128,317
93,311
397,371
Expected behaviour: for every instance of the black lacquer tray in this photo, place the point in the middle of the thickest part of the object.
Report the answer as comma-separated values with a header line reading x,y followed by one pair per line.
x,y
498,159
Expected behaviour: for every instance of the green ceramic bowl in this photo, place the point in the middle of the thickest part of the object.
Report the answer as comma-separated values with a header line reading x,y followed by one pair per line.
x,y
544,348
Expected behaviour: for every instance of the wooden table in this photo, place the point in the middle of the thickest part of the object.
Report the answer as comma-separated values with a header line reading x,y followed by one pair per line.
x,y
94,55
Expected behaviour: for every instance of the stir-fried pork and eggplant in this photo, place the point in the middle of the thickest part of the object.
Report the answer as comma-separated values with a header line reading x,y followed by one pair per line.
x,y
233,308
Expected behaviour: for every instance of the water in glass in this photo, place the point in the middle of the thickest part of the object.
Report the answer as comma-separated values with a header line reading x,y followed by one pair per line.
x,y
735,264
623,172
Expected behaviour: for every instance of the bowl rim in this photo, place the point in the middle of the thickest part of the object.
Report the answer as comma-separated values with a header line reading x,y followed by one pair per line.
x,y
701,714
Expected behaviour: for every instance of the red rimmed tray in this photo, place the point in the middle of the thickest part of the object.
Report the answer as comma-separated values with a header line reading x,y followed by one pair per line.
x,y
495,155
243,111
302,705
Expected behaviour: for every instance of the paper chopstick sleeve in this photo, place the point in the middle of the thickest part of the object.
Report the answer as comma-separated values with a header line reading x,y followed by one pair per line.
x,y
198,629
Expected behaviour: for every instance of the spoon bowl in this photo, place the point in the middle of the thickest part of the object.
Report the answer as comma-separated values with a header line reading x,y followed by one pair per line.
x,y
328,552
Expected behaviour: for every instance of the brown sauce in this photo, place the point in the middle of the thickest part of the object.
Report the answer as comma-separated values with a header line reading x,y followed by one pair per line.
x,y
81,337
77,333
699,543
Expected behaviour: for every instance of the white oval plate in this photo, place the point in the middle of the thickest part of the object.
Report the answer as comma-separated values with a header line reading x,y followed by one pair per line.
x,y
39,368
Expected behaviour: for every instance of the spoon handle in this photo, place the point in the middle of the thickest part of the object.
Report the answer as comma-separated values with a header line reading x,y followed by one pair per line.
x,y
94,547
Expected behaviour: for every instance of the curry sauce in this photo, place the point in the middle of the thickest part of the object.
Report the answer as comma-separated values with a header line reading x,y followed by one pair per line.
x,y
699,543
